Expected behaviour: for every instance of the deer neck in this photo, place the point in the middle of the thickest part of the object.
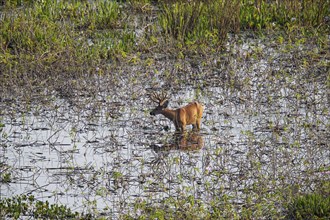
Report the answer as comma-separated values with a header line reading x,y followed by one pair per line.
x,y
169,113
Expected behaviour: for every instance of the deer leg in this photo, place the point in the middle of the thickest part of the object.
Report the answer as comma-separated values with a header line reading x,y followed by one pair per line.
x,y
198,124
183,127
177,126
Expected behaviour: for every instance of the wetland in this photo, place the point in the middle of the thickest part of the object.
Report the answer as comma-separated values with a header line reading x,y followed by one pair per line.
x,y
76,133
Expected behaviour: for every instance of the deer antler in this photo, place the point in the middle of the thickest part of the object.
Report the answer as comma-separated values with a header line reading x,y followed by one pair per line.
x,y
154,97
164,96
158,98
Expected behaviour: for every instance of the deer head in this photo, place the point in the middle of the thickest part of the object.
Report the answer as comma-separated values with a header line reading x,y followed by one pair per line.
x,y
161,100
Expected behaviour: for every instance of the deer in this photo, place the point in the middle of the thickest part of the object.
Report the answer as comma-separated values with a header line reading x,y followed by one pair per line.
x,y
190,114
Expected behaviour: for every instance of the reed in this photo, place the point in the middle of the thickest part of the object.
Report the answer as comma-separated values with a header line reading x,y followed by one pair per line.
x,y
196,20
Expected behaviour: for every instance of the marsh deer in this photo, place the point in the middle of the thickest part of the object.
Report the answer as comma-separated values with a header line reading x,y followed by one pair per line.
x,y
190,114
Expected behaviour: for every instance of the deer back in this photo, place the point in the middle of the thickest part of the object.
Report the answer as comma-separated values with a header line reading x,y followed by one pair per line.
x,y
190,113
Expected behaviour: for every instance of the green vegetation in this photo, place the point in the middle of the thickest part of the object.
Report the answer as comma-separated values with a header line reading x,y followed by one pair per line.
x,y
284,14
310,206
1,125
48,37
45,41
200,22
212,20
20,206
5,178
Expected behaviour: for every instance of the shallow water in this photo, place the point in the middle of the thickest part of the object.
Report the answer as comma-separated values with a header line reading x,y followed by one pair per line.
x,y
263,132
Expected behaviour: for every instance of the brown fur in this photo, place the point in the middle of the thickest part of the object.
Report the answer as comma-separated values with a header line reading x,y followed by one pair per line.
x,y
190,114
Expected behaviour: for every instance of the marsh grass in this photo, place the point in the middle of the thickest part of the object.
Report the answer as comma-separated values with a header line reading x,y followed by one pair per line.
x,y
19,206
142,6
195,21
310,206
213,20
49,38
262,14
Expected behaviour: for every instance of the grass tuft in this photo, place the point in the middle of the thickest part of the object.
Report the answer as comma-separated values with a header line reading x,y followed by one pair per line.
x,y
310,206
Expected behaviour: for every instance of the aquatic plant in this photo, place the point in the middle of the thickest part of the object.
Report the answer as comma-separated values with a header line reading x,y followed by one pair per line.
x,y
199,21
283,14
71,37
213,20
59,36
310,206
19,206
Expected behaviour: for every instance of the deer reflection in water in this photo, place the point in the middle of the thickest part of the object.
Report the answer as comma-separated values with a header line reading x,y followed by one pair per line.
x,y
188,141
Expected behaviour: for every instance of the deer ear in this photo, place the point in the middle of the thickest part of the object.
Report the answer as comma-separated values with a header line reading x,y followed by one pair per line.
x,y
165,104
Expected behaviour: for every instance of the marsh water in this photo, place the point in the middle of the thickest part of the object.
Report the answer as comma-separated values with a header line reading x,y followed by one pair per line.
x,y
92,145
